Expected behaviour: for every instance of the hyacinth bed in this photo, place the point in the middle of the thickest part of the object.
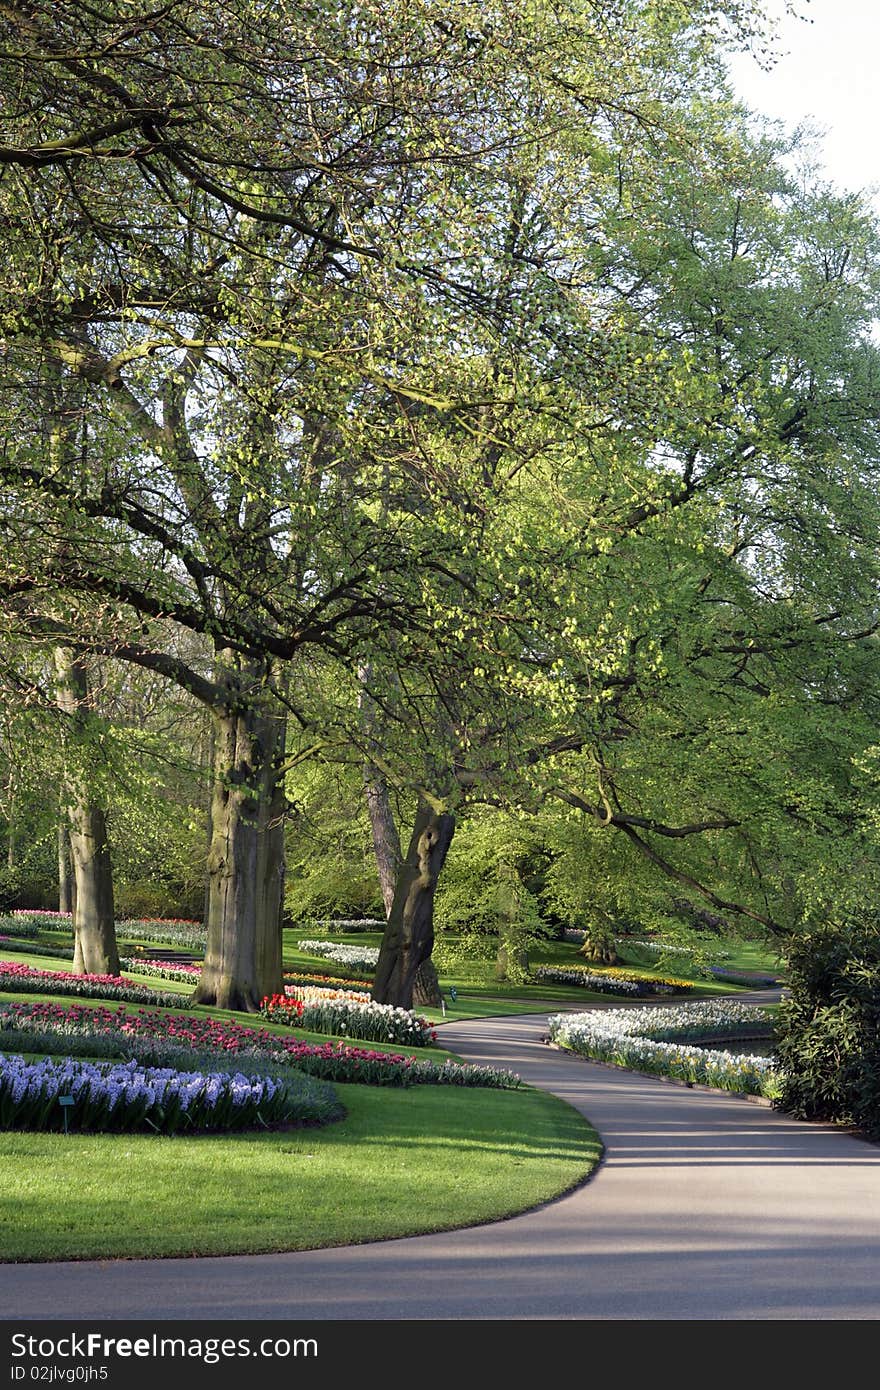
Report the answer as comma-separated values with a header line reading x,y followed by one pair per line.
x,y
168,931
358,957
27,979
611,981
167,1039
661,1041
743,977
128,1096
350,924
28,945
363,1019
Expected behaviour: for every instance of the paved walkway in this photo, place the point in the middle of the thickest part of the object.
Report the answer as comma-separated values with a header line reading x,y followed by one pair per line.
x,y
706,1207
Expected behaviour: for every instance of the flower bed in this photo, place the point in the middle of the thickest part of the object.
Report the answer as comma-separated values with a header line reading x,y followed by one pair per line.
x,y
163,969
127,1096
17,978
350,924
42,914
136,965
167,1038
354,1019
28,925
168,931
743,977
324,994
611,981
35,948
361,957
189,936
655,1040
309,980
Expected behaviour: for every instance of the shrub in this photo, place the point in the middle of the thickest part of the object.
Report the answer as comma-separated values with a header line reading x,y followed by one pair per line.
x,y
829,1026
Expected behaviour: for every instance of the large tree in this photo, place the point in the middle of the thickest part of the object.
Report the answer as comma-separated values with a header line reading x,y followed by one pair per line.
x,y
386,370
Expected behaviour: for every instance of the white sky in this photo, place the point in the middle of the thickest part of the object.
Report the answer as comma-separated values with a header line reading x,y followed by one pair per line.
x,y
828,72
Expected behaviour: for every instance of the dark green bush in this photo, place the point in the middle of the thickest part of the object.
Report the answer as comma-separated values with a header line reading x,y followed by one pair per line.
x,y
828,1032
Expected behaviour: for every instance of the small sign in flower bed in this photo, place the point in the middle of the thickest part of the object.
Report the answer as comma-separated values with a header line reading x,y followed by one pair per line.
x,y
127,1096
159,1039
612,981
16,978
368,1020
661,1041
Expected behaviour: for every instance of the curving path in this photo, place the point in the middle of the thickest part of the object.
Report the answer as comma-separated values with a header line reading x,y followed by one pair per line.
x,y
706,1207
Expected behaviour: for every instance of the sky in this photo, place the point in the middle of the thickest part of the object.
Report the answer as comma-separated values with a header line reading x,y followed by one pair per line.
x,y
828,72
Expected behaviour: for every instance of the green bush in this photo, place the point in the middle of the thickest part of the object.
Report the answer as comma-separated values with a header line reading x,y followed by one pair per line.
x,y
828,1032
146,898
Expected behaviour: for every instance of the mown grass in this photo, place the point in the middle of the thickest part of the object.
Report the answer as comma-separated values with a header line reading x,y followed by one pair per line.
x,y
400,1163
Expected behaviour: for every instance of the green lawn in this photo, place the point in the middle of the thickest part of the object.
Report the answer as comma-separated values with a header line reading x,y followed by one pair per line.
x,y
402,1162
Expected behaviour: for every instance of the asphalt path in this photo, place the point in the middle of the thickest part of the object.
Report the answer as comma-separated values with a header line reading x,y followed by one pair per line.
x,y
705,1207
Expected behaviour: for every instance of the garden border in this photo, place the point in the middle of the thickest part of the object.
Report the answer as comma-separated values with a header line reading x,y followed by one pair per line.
x,y
654,1076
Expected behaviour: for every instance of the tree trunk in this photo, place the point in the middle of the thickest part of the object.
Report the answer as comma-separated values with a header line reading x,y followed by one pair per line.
x,y
426,989
209,825
229,975
386,841
409,936
10,837
245,863
95,951
66,879
270,861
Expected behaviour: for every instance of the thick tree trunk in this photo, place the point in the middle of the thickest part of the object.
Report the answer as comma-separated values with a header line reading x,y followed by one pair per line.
x,y
386,841
245,863
409,936
10,834
209,825
229,975
389,857
270,861
66,879
95,951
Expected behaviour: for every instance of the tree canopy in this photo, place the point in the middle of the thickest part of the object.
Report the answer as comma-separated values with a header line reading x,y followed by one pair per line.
x,y
472,397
